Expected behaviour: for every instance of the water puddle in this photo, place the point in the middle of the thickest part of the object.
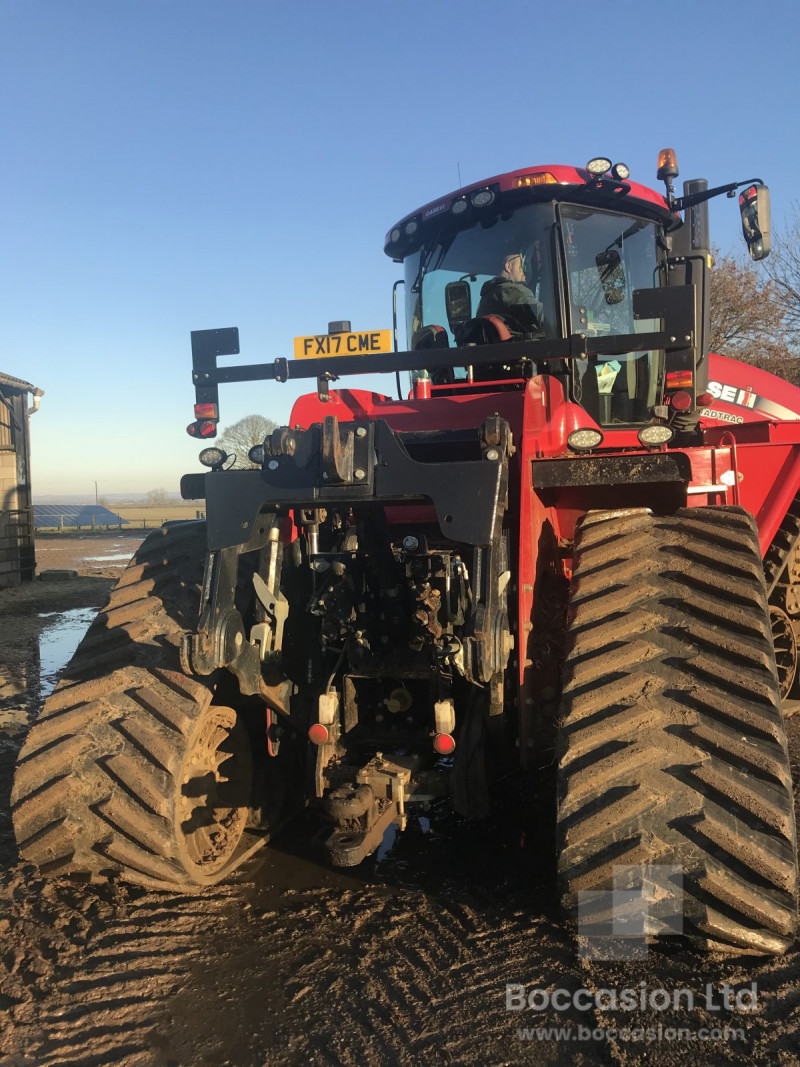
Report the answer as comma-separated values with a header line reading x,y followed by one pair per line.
x,y
34,652
58,641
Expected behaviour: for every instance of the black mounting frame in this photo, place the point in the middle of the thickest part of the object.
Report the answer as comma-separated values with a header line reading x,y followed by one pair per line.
x,y
675,307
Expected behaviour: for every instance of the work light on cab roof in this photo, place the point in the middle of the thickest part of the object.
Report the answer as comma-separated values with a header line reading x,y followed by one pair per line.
x,y
599,165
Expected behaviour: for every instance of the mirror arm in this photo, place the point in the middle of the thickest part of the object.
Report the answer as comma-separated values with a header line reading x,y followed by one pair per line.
x,y
699,198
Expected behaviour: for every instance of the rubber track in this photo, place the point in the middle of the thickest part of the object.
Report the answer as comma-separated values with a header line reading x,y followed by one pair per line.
x,y
94,787
672,746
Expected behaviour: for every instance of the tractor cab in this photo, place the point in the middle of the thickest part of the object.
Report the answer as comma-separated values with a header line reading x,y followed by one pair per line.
x,y
583,245
564,249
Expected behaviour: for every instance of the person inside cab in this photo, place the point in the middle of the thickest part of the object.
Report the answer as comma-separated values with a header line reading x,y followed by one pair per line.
x,y
509,297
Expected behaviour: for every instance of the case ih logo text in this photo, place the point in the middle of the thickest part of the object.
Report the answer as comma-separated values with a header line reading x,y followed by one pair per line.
x,y
731,394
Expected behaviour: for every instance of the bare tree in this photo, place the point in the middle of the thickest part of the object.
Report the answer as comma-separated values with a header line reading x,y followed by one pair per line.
x,y
158,498
239,437
783,269
747,318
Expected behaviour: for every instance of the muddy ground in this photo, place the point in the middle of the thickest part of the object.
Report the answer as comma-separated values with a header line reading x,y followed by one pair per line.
x,y
403,960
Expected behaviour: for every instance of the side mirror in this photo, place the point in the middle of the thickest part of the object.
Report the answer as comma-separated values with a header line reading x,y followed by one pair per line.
x,y
612,276
458,302
754,209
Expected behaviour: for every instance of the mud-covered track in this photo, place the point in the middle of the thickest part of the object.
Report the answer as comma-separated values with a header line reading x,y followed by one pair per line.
x,y
110,777
672,747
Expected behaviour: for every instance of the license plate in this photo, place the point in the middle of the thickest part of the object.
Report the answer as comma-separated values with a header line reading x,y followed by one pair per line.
x,y
343,344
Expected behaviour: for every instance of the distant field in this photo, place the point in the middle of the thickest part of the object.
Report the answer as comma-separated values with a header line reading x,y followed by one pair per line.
x,y
141,516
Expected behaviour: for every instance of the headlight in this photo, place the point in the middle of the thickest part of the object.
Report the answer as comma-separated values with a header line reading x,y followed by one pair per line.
x,y
459,207
584,440
213,457
657,434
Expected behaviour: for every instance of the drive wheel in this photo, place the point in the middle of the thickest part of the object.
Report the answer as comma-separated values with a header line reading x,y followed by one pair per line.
x,y
672,746
212,793
131,769
785,644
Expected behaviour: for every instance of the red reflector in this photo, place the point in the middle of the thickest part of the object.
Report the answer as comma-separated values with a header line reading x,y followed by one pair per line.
x,y
206,411
681,401
318,734
444,744
679,379
202,428
705,400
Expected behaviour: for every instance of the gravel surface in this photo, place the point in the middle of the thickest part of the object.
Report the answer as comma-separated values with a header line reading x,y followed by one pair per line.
x,y
403,960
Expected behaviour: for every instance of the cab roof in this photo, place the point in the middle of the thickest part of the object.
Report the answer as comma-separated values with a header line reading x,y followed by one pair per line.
x,y
542,182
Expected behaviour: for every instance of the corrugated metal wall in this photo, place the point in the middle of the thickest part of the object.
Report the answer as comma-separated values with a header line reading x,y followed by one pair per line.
x,y
17,559
6,440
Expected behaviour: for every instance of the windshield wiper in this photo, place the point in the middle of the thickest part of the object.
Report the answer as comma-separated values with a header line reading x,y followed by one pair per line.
x,y
639,224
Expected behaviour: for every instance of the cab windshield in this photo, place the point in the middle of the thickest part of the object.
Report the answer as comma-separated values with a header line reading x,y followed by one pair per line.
x,y
602,257
475,255
607,256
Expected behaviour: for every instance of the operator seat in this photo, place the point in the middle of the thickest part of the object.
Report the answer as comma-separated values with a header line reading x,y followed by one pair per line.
x,y
485,330
430,337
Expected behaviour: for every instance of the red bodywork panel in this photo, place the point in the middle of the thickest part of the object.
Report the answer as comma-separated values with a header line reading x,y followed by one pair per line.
x,y
754,462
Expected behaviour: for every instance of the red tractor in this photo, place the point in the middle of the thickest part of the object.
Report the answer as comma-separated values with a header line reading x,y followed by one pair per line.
x,y
577,524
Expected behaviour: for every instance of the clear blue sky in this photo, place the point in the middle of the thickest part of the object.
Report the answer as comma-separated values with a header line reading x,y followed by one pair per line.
x,y
172,165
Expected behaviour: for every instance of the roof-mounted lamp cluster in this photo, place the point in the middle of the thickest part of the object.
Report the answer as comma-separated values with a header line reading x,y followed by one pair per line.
x,y
600,167
479,198
408,230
